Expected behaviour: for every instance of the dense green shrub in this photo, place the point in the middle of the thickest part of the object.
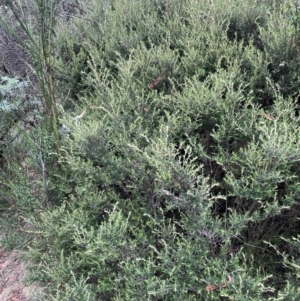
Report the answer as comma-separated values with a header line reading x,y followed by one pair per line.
x,y
178,174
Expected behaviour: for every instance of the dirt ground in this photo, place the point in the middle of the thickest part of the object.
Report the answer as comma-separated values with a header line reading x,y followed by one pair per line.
x,y
12,275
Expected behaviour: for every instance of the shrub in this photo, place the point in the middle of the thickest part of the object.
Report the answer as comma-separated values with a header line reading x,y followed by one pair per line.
x,y
179,154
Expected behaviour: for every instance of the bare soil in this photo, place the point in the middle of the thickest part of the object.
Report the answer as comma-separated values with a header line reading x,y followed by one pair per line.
x,y
12,276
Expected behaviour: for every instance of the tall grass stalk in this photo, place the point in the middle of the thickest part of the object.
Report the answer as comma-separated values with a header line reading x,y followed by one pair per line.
x,y
39,46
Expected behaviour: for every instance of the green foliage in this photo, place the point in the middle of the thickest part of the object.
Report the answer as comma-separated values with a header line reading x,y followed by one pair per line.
x,y
34,29
179,154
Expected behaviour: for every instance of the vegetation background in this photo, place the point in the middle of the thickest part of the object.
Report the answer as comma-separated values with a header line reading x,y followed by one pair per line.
x,y
153,151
